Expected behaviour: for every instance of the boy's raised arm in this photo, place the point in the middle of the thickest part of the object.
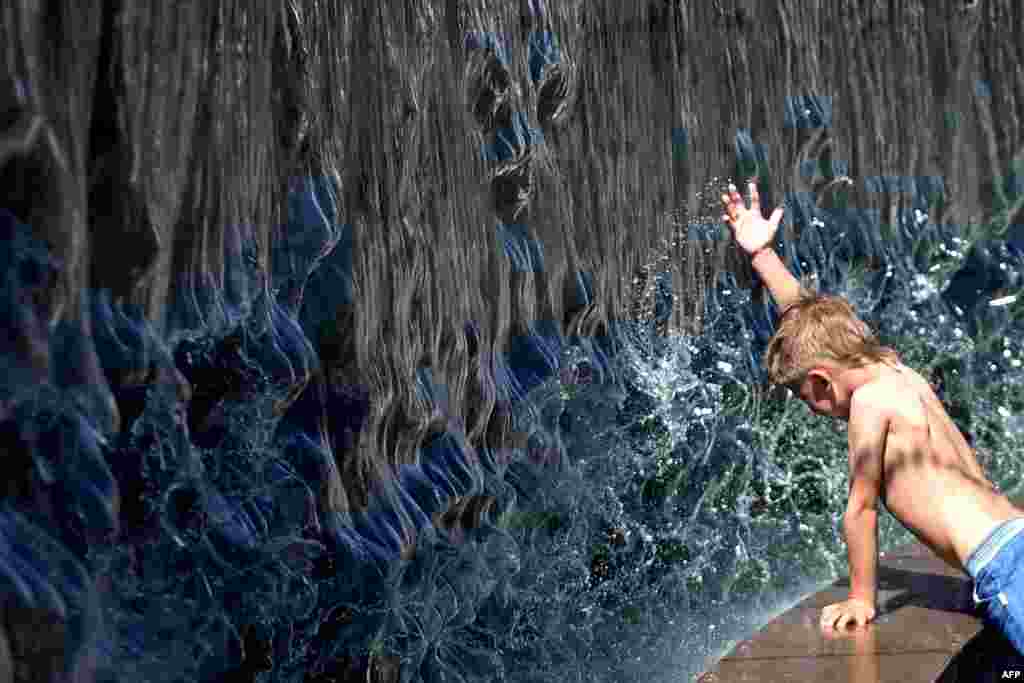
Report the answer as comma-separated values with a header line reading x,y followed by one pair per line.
x,y
754,234
784,287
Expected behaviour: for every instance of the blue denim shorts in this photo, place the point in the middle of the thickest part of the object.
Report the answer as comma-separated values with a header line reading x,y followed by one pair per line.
x,y
995,566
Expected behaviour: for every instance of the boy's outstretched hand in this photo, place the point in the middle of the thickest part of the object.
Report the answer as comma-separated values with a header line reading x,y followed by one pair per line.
x,y
750,229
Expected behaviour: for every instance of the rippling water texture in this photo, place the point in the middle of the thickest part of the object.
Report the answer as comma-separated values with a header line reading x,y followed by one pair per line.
x,y
400,340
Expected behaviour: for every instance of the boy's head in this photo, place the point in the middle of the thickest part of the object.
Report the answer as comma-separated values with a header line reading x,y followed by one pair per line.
x,y
817,341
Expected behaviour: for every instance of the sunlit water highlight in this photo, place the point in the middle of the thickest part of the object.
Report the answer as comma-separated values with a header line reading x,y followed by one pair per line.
x,y
659,509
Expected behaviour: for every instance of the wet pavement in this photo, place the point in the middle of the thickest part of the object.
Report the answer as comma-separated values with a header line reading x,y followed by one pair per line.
x,y
927,629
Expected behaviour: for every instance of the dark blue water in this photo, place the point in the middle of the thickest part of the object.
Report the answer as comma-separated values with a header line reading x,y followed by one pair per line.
x,y
662,507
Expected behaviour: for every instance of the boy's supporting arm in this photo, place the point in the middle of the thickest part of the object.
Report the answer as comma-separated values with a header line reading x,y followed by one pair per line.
x,y
861,531
784,287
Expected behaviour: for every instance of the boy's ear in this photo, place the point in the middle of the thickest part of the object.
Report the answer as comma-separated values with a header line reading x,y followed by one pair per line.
x,y
819,377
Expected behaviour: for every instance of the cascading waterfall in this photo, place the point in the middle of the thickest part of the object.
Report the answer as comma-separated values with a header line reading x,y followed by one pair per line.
x,y
401,341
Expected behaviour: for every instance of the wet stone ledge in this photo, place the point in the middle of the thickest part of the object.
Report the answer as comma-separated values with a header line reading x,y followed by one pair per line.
x,y
927,631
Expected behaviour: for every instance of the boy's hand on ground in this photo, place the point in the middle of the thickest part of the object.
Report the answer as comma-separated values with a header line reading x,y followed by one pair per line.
x,y
837,616
750,229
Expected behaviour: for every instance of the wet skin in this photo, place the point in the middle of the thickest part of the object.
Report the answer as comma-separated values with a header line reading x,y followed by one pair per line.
x,y
904,449
922,469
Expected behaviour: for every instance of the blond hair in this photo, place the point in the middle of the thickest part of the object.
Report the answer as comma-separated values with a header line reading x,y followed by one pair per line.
x,y
820,328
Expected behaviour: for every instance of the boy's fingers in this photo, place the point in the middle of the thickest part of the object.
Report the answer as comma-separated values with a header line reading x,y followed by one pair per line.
x,y
776,216
730,205
755,198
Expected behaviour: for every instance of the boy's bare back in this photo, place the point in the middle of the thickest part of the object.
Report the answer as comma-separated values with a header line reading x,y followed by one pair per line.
x,y
905,451
931,481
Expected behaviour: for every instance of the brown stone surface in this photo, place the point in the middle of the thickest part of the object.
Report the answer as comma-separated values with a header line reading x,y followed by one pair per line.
x,y
925,616
927,629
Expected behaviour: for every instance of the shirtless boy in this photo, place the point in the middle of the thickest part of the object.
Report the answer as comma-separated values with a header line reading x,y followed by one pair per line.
x,y
904,450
